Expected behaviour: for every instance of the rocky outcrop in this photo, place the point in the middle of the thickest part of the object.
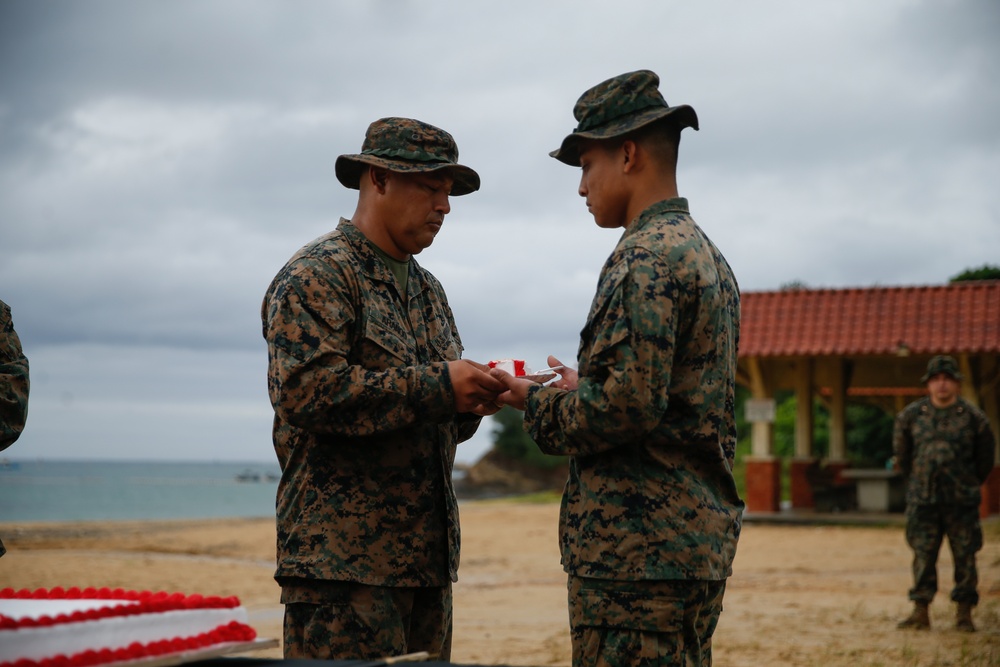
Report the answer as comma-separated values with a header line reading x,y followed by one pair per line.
x,y
496,475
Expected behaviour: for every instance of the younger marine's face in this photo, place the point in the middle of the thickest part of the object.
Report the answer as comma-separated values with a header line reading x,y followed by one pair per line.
x,y
602,184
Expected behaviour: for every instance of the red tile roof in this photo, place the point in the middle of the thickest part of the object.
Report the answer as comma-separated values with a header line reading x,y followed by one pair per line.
x,y
954,318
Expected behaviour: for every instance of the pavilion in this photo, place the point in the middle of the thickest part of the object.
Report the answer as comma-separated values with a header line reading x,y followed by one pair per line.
x,y
860,344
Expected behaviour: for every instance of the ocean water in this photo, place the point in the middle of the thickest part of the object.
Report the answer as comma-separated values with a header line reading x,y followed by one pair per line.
x,y
100,490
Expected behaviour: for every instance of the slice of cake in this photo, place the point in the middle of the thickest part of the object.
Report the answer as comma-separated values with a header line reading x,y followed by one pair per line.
x,y
102,626
515,367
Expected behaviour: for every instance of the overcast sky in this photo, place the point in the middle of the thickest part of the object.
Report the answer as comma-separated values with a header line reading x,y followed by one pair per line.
x,y
160,161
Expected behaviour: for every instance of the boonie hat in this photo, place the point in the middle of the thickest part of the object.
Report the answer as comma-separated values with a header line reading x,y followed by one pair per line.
x,y
407,145
942,363
617,106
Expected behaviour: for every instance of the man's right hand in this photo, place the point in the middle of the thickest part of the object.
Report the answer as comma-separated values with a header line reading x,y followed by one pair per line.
x,y
472,385
568,378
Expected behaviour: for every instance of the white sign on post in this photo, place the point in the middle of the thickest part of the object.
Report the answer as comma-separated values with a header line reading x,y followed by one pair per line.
x,y
759,410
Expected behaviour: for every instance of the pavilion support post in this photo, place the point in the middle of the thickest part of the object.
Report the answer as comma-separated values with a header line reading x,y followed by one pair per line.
x,y
803,409
989,395
761,430
969,391
804,460
763,469
837,459
990,503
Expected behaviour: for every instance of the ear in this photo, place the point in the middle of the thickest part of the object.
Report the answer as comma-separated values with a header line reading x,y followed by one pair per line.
x,y
629,155
378,177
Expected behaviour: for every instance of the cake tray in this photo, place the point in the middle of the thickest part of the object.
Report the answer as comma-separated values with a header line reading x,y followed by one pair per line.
x,y
185,657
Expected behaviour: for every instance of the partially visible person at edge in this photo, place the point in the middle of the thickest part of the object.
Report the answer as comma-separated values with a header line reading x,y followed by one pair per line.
x,y
650,515
14,384
944,446
371,397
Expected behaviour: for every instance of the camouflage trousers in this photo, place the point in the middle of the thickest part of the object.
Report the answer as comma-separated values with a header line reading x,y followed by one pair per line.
x,y
926,528
337,620
619,623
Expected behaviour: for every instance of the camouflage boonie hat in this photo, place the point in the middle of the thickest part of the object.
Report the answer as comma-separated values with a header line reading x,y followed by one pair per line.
x,y
407,145
942,363
617,106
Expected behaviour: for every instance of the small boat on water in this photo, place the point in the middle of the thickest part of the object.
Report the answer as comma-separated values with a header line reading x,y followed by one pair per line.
x,y
253,476
7,464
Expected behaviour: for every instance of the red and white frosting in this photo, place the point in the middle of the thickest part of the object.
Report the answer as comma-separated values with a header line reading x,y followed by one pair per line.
x,y
515,367
79,628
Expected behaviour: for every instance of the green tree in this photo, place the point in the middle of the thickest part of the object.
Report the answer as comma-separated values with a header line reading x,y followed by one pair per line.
x,y
510,439
869,435
868,432
985,272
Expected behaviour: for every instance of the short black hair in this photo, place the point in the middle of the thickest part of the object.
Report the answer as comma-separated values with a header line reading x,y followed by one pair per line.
x,y
660,139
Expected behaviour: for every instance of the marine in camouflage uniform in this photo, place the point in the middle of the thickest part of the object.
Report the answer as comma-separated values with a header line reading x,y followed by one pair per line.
x,y
14,384
363,359
650,516
946,449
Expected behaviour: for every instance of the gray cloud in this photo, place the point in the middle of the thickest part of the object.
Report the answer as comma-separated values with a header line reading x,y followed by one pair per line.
x,y
160,161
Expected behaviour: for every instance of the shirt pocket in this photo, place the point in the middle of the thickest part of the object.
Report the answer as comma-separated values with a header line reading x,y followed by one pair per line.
x,y
384,343
607,325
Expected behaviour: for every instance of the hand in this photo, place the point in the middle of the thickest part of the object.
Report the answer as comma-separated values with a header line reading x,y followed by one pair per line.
x,y
487,409
516,393
568,378
473,386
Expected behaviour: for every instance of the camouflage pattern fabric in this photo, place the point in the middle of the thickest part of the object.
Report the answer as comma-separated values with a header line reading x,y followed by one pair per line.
x,y
620,105
14,385
365,428
625,623
340,620
947,453
926,527
941,363
651,427
14,382
407,145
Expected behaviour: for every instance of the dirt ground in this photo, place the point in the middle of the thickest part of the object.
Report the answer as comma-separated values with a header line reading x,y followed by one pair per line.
x,y
799,595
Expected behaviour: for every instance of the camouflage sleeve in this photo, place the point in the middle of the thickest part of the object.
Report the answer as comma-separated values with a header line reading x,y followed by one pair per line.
x,y
14,382
902,443
313,379
625,366
985,449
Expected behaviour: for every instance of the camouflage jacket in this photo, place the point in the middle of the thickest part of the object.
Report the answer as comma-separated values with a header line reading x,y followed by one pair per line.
x,y
14,382
651,427
365,428
946,453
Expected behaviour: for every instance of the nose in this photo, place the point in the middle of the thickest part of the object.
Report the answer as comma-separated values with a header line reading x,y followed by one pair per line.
x,y
443,204
582,189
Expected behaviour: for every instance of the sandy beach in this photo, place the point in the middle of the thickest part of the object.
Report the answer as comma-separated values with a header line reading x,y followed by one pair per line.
x,y
799,595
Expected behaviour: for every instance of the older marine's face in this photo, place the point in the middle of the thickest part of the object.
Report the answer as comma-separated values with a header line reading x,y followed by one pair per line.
x,y
602,184
417,204
943,389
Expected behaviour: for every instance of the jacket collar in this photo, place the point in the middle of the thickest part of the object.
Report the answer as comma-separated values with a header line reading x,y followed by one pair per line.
x,y
372,265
